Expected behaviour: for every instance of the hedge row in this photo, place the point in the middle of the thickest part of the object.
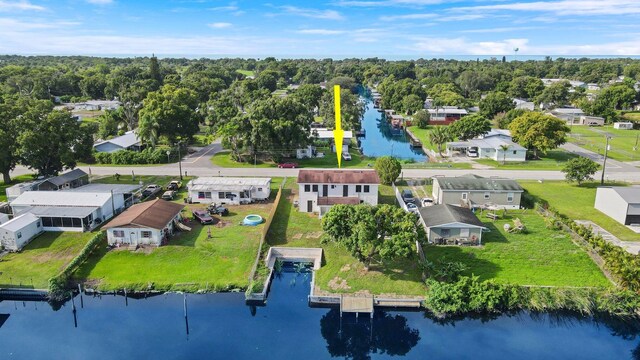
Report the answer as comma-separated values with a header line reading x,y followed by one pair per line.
x,y
624,265
128,157
58,284
469,294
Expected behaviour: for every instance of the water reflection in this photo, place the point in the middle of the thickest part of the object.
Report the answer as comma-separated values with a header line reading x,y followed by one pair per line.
x,y
357,339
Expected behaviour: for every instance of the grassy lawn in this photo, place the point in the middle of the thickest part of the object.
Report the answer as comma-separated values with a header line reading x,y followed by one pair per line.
x,y
553,160
423,135
42,258
541,257
631,116
247,72
14,180
191,261
223,159
128,179
622,142
577,203
341,272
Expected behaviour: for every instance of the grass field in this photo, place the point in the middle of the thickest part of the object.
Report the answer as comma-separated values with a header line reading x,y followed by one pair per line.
x,y
44,257
247,72
621,143
191,261
541,257
341,272
14,180
553,160
631,116
423,136
577,202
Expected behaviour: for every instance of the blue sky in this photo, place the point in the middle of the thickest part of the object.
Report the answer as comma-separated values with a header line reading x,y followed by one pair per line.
x,y
332,28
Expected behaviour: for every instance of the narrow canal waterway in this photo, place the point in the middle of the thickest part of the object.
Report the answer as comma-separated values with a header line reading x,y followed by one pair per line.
x,y
221,326
381,139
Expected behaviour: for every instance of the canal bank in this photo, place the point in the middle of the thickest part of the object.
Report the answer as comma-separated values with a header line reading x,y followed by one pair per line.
x,y
222,326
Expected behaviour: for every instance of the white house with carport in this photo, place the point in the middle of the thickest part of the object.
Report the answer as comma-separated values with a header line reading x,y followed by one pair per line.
x,y
495,145
620,203
17,232
147,223
319,190
229,190
324,134
451,225
128,141
77,209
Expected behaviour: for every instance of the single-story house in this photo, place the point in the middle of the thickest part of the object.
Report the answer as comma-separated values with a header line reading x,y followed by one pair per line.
x,y
147,223
93,105
619,203
229,190
570,114
445,115
573,83
74,210
588,121
319,190
324,134
524,104
593,87
474,191
69,180
452,225
496,145
128,141
623,125
17,232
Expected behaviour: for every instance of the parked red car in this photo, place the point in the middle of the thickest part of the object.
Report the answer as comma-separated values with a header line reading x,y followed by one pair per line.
x,y
288,165
202,216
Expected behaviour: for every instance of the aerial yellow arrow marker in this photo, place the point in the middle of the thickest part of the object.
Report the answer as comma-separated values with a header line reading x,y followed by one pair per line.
x,y
338,133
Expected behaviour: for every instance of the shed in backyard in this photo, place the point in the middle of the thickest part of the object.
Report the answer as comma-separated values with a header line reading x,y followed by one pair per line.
x,y
17,232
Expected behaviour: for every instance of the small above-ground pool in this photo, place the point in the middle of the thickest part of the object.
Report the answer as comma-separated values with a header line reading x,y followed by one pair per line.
x,y
252,220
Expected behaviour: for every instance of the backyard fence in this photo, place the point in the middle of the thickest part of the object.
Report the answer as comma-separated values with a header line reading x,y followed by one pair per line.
x,y
265,230
401,202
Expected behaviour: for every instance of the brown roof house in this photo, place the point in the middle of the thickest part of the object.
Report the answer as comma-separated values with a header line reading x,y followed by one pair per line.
x,y
148,223
321,189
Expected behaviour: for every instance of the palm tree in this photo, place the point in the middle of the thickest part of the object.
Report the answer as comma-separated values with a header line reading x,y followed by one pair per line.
x,y
504,149
439,136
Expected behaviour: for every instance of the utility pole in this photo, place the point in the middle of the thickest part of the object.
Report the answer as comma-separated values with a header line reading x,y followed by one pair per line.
x,y
604,163
179,160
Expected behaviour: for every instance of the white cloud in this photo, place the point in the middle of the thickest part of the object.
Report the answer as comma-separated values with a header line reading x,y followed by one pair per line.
x,y
321,32
408,17
313,13
461,46
220,25
17,25
231,7
100,2
387,3
434,17
499,29
566,7
7,6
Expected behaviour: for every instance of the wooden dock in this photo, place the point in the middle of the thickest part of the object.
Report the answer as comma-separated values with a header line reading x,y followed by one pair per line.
x,y
356,304
413,140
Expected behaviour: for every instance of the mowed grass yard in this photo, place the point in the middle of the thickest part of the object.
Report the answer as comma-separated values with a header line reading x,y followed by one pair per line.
x,y
577,202
191,261
341,273
552,160
621,143
44,257
540,257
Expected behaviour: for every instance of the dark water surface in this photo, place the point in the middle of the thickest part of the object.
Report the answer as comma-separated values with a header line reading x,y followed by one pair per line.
x,y
221,326
381,140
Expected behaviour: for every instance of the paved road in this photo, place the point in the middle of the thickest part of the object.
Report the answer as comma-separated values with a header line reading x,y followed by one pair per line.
x,y
612,165
199,164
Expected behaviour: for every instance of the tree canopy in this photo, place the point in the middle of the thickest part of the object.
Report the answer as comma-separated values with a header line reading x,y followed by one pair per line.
x,y
539,132
388,169
495,103
580,169
470,126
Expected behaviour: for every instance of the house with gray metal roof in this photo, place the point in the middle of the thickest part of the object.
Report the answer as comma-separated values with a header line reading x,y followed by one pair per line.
x,y
620,203
69,180
128,141
451,225
473,191
496,145
229,190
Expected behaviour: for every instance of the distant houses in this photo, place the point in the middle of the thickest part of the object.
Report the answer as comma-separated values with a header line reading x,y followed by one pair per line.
x,y
229,190
319,190
474,191
148,223
128,141
446,115
69,180
324,135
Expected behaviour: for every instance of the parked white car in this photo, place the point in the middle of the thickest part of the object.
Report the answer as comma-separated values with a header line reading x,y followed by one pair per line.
x,y
426,201
412,207
346,156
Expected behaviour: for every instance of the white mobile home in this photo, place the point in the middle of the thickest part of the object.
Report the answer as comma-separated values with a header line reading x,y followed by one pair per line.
x,y
16,233
229,190
148,223
623,125
16,190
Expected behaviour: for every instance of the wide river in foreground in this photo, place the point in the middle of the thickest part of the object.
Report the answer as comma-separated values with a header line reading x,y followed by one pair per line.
x,y
222,326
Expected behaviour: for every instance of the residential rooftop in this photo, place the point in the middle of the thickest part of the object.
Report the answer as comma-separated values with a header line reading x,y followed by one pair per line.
x,y
338,177
477,183
443,214
151,214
